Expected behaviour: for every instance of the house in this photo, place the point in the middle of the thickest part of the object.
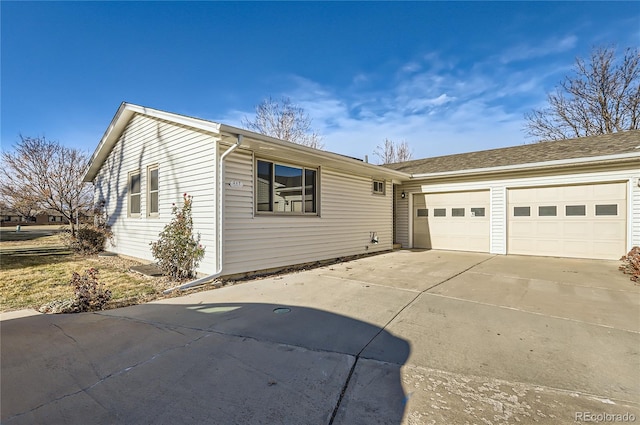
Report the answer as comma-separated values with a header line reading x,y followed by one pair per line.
x,y
261,203
572,198
258,203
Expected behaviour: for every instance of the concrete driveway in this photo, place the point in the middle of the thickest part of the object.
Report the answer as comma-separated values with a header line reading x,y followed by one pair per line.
x,y
406,337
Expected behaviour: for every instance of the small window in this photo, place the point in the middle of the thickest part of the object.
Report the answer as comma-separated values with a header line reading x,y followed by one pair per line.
x,y
611,209
134,193
439,212
477,212
422,212
152,189
521,211
378,187
548,211
575,210
457,212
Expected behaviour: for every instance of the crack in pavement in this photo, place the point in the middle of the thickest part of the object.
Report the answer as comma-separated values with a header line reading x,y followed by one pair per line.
x,y
111,375
383,328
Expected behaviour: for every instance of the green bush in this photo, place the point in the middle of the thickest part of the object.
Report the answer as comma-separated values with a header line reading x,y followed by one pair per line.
x,y
177,251
88,239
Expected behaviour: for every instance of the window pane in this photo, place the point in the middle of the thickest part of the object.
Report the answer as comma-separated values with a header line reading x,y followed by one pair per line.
x,y
309,191
423,212
134,186
521,211
287,190
153,179
477,212
611,209
439,212
135,204
547,211
264,186
571,210
153,203
457,212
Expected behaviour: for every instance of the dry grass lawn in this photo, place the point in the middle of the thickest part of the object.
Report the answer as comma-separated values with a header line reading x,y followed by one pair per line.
x,y
37,270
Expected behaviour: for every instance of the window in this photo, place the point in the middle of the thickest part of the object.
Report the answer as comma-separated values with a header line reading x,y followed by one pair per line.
x,y
548,211
378,187
457,212
521,211
575,210
611,209
477,212
422,212
286,188
134,193
439,212
152,190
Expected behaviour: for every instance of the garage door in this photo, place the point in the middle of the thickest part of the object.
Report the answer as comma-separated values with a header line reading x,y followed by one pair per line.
x,y
455,221
586,221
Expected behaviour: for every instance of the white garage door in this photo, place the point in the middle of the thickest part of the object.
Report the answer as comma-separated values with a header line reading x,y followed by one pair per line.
x,y
455,221
586,221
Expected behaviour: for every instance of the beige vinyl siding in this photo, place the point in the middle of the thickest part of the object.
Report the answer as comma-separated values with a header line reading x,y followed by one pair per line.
x,y
186,164
635,212
402,212
349,213
498,213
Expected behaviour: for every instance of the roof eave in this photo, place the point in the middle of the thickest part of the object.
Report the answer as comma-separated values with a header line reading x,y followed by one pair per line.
x,y
531,166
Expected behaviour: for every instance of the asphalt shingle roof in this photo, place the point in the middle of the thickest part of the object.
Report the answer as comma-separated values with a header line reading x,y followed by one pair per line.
x,y
584,147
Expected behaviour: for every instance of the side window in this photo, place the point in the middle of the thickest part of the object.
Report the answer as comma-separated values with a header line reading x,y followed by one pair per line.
x,y
134,194
457,212
477,212
378,187
611,209
548,211
152,190
521,211
575,210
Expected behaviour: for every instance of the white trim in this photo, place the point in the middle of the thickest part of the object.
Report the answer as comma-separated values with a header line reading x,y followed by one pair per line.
x,y
560,162
411,195
630,214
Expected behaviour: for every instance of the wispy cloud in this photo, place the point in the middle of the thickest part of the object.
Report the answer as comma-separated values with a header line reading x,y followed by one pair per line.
x,y
544,48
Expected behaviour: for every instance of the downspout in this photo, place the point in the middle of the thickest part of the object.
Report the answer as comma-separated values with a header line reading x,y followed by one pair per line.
x,y
220,226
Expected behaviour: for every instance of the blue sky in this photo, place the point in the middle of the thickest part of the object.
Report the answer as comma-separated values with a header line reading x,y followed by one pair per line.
x,y
447,77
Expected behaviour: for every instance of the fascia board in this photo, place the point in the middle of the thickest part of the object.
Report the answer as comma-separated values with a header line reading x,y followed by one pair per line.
x,y
342,162
532,166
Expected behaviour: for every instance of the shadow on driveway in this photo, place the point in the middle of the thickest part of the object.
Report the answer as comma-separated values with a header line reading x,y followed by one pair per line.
x,y
246,363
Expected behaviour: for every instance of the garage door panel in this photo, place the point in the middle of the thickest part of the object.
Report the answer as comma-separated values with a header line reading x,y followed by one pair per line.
x,y
583,233
465,233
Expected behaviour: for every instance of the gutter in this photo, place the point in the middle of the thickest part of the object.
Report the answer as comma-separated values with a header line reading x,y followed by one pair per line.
x,y
220,224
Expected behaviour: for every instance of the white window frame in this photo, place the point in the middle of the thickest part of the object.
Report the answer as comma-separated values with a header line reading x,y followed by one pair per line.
x,y
130,195
304,168
150,213
378,187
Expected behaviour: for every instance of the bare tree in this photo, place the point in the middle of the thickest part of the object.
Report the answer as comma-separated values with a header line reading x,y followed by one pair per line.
x,y
391,152
285,121
45,174
602,97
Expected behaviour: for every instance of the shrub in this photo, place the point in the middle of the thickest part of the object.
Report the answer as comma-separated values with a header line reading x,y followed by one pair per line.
x,y
90,294
88,239
177,251
631,264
